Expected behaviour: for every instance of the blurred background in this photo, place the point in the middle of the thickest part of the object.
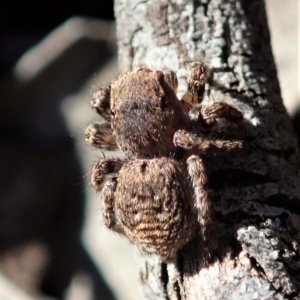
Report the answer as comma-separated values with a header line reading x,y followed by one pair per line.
x,y
53,243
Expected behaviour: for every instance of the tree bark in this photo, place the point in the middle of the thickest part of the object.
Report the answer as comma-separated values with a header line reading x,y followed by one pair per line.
x,y
254,243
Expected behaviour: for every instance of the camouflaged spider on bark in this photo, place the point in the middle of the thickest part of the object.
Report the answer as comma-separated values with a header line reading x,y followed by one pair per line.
x,y
158,196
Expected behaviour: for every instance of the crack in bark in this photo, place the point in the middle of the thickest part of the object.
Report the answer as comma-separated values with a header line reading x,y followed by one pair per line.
x,y
177,290
165,279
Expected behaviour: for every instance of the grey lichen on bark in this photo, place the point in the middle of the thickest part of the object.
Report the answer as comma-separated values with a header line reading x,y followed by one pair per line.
x,y
254,246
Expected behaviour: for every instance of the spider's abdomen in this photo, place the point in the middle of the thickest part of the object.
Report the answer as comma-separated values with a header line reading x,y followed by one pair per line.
x,y
152,204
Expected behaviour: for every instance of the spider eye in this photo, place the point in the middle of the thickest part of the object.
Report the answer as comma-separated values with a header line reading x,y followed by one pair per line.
x,y
112,112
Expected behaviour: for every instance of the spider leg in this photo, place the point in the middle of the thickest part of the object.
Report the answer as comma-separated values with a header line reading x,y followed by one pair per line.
x,y
171,78
101,102
104,169
220,110
105,179
208,146
108,205
107,201
198,76
198,177
99,135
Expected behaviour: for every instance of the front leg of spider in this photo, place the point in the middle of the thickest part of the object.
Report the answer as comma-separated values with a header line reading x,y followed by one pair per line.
x,y
99,135
198,76
101,102
220,110
171,79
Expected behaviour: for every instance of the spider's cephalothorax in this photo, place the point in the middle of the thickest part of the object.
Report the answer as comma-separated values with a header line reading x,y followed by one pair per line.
x,y
156,196
145,113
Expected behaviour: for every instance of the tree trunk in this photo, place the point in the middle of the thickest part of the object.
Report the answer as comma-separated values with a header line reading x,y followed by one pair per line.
x,y
254,244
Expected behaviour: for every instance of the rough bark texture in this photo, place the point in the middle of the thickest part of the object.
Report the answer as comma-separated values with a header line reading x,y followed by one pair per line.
x,y
254,247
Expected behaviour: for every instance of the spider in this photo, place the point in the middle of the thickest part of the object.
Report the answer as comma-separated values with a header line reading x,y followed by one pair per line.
x,y
157,196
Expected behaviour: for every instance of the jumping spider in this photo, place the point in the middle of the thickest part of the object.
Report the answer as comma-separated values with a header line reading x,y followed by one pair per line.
x,y
157,196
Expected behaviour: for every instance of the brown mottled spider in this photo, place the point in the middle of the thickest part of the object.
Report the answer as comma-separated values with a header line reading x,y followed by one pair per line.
x,y
159,193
